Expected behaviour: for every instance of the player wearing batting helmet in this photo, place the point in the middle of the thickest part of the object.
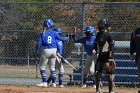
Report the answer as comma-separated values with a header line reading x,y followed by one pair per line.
x,y
105,61
48,41
88,42
58,64
135,48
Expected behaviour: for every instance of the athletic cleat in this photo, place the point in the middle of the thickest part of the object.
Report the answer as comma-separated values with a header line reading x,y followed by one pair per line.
x,y
53,85
99,92
61,86
49,84
84,86
94,86
112,92
43,84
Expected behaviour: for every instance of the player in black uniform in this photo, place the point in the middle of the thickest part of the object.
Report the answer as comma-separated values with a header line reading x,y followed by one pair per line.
x,y
135,48
104,44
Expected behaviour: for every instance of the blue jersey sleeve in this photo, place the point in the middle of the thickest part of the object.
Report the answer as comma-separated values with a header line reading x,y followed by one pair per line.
x,y
81,40
59,47
58,37
38,44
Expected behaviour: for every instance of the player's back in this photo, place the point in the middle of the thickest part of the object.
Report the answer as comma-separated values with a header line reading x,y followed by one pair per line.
x,y
49,39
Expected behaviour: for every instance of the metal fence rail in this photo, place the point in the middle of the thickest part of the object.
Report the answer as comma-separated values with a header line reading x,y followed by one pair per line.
x,y
20,21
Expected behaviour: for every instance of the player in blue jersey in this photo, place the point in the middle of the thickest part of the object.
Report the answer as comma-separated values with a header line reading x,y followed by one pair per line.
x,y
48,41
88,42
58,64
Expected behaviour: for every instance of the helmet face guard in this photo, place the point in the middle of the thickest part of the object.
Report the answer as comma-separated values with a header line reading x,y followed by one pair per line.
x,y
88,34
89,30
48,23
103,25
58,30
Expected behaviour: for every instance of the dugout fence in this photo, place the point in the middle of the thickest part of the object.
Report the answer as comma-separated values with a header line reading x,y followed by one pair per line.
x,y
19,24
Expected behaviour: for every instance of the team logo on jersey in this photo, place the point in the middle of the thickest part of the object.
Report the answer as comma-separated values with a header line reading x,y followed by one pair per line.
x,y
89,43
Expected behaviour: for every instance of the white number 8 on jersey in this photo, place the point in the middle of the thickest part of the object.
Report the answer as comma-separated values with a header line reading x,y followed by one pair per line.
x,y
49,39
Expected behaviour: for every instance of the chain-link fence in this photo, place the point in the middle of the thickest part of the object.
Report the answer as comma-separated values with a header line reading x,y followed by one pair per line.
x,y
19,24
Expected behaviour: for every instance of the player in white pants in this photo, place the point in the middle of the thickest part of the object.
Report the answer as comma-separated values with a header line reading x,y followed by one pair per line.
x,y
88,42
48,41
58,64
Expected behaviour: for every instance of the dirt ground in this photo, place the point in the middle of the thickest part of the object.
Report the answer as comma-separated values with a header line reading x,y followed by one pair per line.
x,y
33,89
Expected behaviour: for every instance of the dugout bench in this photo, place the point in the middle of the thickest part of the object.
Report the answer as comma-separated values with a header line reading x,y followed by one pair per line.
x,y
125,72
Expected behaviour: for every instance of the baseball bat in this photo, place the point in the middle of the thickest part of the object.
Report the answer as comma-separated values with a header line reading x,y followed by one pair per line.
x,y
36,64
66,61
70,65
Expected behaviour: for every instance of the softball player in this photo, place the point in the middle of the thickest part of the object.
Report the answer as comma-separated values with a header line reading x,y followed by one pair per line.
x,y
88,42
135,48
48,41
58,64
105,43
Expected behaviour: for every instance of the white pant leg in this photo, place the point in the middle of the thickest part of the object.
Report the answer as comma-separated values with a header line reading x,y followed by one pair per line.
x,y
48,54
59,65
90,65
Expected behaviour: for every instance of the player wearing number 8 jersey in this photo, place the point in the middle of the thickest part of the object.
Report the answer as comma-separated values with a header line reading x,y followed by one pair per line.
x,y
48,41
58,64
